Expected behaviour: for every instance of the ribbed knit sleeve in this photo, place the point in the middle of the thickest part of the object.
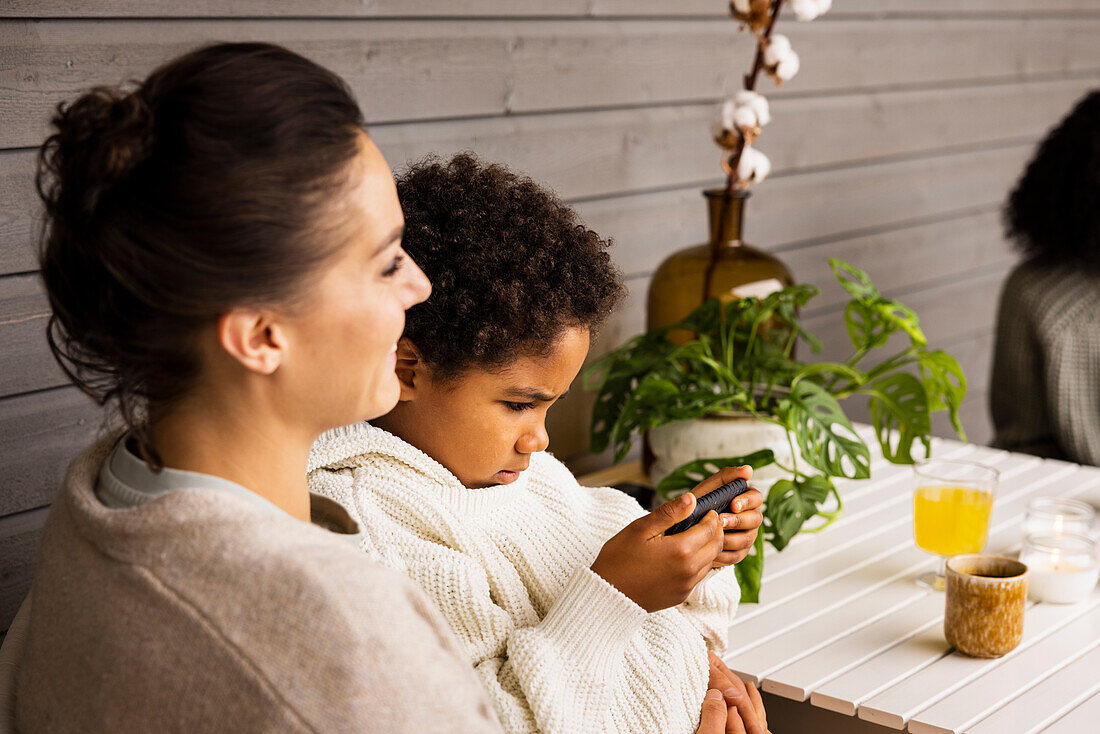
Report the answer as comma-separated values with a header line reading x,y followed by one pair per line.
x,y
712,605
560,674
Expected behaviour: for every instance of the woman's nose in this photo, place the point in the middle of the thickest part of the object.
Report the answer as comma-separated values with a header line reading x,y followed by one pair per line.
x,y
418,287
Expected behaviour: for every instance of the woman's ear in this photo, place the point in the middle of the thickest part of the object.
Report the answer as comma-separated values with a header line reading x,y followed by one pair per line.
x,y
253,339
411,370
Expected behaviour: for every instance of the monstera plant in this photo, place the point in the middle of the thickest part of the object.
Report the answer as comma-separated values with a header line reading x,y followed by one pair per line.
x,y
739,357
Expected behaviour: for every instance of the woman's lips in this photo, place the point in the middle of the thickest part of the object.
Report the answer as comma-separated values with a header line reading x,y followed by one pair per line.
x,y
506,476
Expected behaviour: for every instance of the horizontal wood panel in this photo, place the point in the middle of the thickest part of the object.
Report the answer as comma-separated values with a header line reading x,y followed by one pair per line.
x,y
493,8
407,70
591,154
811,208
830,203
40,434
611,152
19,536
25,361
903,258
19,212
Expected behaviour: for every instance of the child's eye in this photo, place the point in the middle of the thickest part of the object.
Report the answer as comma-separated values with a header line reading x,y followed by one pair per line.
x,y
393,267
519,407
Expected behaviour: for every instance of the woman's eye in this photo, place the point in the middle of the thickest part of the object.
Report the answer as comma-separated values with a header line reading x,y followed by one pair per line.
x,y
519,407
393,267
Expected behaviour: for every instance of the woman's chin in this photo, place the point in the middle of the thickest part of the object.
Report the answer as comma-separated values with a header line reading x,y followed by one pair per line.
x,y
384,400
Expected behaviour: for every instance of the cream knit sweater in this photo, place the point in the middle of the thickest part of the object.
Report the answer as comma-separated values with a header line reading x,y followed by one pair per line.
x,y
557,647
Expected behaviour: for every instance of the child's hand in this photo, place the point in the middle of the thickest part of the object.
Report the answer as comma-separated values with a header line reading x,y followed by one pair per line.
x,y
742,525
658,571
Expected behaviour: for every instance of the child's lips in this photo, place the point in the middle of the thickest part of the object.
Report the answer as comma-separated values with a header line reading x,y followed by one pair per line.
x,y
507,476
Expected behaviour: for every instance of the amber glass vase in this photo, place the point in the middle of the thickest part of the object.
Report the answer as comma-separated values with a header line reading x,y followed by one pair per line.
x,y
725,267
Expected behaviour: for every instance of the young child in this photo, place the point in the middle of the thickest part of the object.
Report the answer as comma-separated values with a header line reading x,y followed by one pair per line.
x,y
577,613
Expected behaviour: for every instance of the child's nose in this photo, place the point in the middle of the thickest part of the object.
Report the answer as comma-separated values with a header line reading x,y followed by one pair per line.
x,y
533,440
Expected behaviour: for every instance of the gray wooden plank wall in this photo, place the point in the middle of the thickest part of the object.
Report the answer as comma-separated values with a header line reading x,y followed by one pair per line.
x,y
893,148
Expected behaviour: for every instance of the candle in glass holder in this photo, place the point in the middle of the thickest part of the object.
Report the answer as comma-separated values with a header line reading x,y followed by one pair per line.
x,y
1064,568
1047,516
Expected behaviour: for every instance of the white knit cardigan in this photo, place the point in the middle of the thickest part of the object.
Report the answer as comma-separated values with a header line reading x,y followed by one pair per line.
x,y
557,647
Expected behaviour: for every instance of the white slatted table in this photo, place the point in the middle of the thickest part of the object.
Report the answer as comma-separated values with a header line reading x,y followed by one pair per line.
x,y
843,629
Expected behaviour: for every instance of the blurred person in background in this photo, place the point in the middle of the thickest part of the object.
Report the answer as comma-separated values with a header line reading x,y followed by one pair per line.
x,y
1045,392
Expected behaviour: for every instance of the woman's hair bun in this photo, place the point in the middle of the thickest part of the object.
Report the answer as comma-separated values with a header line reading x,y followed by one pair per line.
x,y
102,138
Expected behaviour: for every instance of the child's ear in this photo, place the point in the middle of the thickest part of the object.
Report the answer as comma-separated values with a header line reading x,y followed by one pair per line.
x,y
410,368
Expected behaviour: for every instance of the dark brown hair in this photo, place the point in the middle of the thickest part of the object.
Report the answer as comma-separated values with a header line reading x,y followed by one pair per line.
x,y
203,188
1053,214
511,265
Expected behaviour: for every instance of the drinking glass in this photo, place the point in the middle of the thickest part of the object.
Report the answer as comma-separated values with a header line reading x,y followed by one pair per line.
x,y
952,502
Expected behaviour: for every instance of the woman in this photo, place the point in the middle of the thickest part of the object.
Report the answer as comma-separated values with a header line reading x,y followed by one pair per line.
x,y
222,256
208,235
1045,392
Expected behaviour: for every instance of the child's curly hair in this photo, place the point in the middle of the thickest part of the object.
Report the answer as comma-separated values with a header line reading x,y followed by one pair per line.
x,y
511,266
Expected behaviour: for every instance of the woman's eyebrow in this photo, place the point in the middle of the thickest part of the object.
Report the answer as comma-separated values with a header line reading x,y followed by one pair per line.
x,y
393,236
532,393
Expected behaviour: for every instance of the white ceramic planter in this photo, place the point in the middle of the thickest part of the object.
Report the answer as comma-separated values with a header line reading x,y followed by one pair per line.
x,y
717,436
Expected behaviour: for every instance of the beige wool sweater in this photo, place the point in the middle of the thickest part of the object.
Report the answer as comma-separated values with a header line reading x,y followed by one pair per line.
x,y
557,647
202,612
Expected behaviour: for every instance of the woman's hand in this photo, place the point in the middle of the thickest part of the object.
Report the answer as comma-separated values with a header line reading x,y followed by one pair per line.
x,y
742,699
658,571
742,525
715,718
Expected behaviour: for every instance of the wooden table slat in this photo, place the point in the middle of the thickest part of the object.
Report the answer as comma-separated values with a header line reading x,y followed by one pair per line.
x,y
1080,720
1007,682
871,636
798,679
895,706
870,576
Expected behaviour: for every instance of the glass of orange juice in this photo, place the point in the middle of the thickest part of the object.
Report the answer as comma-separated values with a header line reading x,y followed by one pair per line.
x,y
951,507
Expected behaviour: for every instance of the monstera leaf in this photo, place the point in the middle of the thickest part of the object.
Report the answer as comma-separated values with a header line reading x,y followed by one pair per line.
x,y
791,503
899,413
824,434
855,281
945,384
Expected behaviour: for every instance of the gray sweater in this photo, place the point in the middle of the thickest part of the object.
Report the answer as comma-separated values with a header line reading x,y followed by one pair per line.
x,y
1045,390
201,611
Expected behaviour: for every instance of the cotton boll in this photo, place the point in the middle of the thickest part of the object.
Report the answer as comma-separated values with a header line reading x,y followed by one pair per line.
x,y
745,118
753,165
757,103
746,165
761,167
778,47
788,66
809,9
742,6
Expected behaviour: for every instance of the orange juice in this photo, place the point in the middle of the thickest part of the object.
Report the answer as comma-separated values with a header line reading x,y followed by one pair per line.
x,y
951,520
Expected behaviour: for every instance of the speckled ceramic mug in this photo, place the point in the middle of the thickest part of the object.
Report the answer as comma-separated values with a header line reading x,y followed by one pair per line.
x,y
984,616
